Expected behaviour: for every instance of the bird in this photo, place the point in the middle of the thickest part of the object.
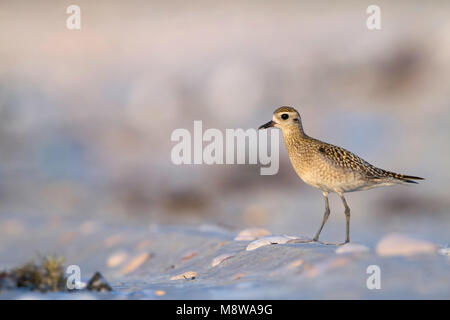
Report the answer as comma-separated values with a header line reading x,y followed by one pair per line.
x,y
328,167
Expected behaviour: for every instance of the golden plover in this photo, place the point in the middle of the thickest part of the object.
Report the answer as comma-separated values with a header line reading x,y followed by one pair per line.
x,y
327,167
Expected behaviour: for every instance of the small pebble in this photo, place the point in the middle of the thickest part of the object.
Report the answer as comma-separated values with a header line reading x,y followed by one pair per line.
x,y
135,263
189,275
401,245
219,259
252,234
98,283
269,240
352,248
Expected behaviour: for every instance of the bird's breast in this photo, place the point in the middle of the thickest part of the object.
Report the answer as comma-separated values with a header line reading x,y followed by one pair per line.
x,y
315,171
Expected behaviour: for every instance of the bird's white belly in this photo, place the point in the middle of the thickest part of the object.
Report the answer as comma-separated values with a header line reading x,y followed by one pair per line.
x,y
332,181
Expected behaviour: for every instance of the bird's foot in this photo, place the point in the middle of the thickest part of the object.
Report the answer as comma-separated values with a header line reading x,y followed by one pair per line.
x,y
330,243
302,240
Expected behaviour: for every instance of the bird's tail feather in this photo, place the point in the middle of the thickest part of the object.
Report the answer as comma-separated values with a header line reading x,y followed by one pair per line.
x,y
404,178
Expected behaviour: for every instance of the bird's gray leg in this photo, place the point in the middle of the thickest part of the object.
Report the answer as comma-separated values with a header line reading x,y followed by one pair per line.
x,y
347,218
325,216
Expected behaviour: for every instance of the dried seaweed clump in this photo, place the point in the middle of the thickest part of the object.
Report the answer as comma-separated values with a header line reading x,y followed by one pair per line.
x,y
47,275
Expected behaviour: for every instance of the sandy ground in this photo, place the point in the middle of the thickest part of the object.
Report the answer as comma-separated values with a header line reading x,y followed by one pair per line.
x,y
143,261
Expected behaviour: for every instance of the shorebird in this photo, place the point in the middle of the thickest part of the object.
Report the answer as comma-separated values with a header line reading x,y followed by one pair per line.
x,y
328,167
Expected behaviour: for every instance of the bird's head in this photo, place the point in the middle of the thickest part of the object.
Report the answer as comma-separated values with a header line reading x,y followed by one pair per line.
x,y
284,118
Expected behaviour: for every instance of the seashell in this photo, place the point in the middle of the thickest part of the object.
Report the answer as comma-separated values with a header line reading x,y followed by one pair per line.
x,y
269,240
116,259
189,275
219,259
135,263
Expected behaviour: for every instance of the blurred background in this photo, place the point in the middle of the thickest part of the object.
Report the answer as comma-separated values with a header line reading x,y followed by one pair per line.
x,y
86,116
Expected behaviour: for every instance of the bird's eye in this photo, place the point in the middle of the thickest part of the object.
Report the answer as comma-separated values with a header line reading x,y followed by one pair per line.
x,y
284,116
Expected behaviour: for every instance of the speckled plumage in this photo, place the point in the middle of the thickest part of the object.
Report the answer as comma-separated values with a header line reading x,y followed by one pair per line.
x,y
328,167
334,169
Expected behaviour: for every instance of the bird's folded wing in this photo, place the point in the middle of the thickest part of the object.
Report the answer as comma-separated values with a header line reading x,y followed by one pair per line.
x,y
341,158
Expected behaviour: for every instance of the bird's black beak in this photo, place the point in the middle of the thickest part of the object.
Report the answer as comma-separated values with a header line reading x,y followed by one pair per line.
x,y
267,125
